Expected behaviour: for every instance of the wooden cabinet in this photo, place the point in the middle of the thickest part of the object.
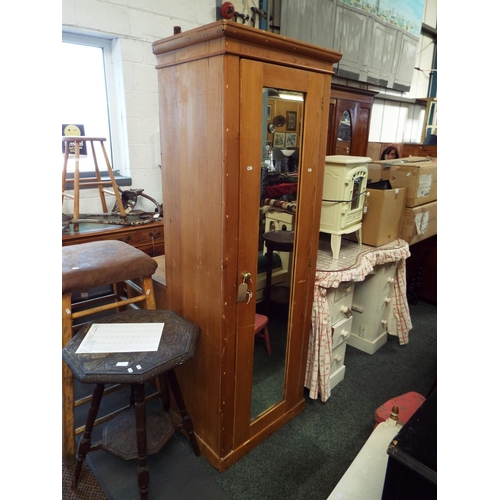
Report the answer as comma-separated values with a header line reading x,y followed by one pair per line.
x,y
375,49
146,237
421,274
349,120
214,82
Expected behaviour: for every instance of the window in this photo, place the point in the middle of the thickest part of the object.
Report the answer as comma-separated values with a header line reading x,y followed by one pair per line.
x,y
88,98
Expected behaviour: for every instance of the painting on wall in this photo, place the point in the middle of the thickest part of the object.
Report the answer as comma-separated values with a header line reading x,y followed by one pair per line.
x,y
291,120
279,140
291,140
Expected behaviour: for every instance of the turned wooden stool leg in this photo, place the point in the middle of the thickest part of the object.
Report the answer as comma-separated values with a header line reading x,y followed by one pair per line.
x,y
185,417
85,441
142,448
269,278
68,424
267,341
148,291
162,386
65,168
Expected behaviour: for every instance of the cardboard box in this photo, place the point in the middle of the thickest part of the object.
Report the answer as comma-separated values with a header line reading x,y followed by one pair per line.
x,y
379,170
383,218
418,150
419,176
374,172
419,223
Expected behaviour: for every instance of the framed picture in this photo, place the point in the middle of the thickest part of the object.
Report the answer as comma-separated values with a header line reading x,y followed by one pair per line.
x,y
291,120
269,113
291,140
279,140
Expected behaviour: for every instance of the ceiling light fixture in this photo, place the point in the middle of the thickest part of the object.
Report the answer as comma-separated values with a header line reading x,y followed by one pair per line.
x,y
292,97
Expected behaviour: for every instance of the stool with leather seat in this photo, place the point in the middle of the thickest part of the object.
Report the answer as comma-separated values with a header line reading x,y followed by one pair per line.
x,y
117,266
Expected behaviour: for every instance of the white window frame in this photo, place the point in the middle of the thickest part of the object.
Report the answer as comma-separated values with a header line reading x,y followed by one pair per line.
x,y
117,147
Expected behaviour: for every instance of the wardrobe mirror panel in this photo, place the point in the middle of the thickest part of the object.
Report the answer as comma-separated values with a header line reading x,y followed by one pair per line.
x,y
282,119
344,134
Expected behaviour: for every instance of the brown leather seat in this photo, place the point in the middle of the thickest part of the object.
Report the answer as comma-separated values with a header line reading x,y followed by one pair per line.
x,y
112,264
98,263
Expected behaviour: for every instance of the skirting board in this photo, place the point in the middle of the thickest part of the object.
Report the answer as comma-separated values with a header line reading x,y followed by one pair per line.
x,y
369,346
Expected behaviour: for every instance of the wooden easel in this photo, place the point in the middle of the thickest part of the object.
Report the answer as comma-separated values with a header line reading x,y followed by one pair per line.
x,y
90,181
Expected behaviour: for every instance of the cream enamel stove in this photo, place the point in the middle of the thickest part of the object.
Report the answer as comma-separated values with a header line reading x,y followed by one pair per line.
x,y
344,191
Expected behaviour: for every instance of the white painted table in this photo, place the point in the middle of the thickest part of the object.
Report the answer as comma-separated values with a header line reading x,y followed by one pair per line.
x,y
354,264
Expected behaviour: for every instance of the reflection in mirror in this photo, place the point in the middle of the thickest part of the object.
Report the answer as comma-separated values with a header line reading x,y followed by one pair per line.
x,y
344,135
280,167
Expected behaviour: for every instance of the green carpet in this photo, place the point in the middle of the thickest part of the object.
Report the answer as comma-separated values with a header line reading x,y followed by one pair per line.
x,y
307,457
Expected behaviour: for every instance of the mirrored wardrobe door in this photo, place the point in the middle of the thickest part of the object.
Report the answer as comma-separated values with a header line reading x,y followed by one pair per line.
x,y
271,322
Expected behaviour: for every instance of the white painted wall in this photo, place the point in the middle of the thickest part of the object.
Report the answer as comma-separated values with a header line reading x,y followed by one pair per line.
x,y
135,24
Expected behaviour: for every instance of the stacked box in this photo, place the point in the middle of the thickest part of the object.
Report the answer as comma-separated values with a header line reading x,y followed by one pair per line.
x,y
383,217
379,170
418,176
419,223
387,216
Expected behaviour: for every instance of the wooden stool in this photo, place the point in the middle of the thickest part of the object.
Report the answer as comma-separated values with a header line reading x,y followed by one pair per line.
x,y
92,265
177,345
89,181
261,331
276,241
407,405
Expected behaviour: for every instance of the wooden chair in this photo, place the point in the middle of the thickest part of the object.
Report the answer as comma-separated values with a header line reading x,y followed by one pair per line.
x,y
113,265
261,331
96,181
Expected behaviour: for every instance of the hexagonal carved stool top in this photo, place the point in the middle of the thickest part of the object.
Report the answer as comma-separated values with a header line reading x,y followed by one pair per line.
x,y
177,345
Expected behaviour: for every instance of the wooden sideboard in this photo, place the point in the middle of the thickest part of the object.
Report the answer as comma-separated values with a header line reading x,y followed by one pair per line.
x,y
145,237
357,104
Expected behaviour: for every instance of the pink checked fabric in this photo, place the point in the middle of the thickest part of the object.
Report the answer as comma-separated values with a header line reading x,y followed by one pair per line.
x,y
354,264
